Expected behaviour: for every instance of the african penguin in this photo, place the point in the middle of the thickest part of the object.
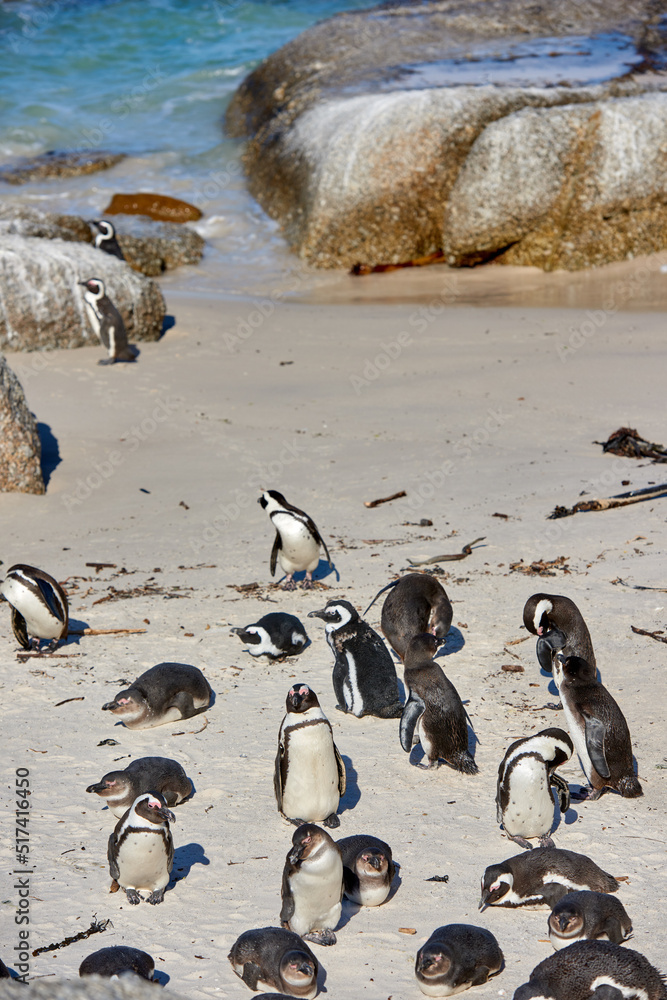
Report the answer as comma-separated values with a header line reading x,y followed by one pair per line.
x,y
559,626
456,957
417,603
586,916
118,960
297,543
312,886
272,957
433,713
364,675
166,693
524,803
276,635
141,851
598,729
39,606
107,322
594,970
368,869
541,877
309,774
105,238
119,789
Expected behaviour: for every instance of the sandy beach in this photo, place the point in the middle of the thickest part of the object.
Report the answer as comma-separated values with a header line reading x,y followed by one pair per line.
x,y
156,468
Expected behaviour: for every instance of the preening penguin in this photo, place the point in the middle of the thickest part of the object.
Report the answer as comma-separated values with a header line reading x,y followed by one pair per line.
x,y
416,603
364,675
598,728
524,802
105,238
141,851
309,774
434,713
276,635
456,957
559,626
166,693
275,958
541,877
118,960
106,322
119,789
594,970
586,916
39,606
297,542
312,886
368,869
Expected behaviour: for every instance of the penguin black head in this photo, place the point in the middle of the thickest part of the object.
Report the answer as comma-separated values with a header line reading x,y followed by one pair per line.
x,y
300,698
336,613
309,839
113,783
536,613
577,670
152,807
566,920
422,647
104,227
496,883
298,970
372,862
269,495
432,963
95,286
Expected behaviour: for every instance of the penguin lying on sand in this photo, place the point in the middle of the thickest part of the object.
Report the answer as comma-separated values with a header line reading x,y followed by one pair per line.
x,y
166,693
119,789
107,322
456,957
276,635
417,603
275,958
368,869
434,713
586,916
541,877
39,606
297,543
141,851
364,675
116,961
312,886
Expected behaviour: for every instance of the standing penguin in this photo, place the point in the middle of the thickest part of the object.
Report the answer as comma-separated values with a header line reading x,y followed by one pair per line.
x,y
559,626
417,603
106,322
312,886
368,869
141,851
456,957
524,803
297,543
166,693
434,713
105,238
39,606
541,877
594,970
310,774
598,729
119,789
276,635
364,676
586,916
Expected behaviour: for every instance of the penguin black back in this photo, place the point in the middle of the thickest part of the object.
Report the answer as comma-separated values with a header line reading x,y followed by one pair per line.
x,y
165,693
591,969
118,960
559,626
586,916
416,603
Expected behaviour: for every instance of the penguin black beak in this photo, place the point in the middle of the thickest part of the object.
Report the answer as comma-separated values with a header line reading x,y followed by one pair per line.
x,y
317,614
99,787
483,901
109,707
295,854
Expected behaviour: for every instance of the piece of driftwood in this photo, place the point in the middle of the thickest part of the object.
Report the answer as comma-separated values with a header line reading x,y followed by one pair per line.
x,y
652,635
97,566
432,258
607,503
376,503
637,586
465,551
626,441
106,631
96,927
59,703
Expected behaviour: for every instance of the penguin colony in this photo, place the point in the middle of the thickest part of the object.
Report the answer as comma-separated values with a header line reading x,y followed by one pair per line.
x,y
587,926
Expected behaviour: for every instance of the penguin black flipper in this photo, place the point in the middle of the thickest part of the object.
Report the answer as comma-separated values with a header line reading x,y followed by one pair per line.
x,y
607,992
20,629
342,774
562,791
49,596
113,866
288,907
547,645
388,587
277,545
318,538
412,712
278,776
595,734
251,975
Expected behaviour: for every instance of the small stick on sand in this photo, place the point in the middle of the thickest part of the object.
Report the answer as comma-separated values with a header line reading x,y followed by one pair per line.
x,y
98,566
24,654
106,631
607,503
465,551
376,503
59,703
96,927
637,586
652,635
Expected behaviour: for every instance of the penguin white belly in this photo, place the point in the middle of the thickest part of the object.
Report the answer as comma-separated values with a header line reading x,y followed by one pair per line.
x,y
632,992
142,862
353,700
94,317
422,737
369,894
441,989
39,620
311,786
316,890
578,733
563,942
299,549
530,811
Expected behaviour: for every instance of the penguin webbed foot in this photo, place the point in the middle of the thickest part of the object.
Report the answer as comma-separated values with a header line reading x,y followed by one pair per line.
x,y
521,841
107,361
155,897
324,937
307,584
332,822
555,706
587,794
432,765
289,584
546,841
133,896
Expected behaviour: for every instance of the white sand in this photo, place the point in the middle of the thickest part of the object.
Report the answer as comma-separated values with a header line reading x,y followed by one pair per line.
x,y
479,404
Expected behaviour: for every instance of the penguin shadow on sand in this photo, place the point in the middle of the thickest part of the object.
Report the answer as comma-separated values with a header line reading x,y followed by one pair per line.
x,y
50,459
350,908
454,641
73,639
168,323
161,978
352,792
322,570
185,857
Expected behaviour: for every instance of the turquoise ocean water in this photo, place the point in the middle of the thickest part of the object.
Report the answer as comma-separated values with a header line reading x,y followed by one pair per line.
x,y
150,78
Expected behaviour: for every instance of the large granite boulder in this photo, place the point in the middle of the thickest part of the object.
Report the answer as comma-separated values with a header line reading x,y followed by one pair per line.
x,y
19,219
57,163
529,133
20,448
91,988
41,305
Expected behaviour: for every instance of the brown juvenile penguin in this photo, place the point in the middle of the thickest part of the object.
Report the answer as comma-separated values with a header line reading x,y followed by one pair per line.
x,y
166,693
416,603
